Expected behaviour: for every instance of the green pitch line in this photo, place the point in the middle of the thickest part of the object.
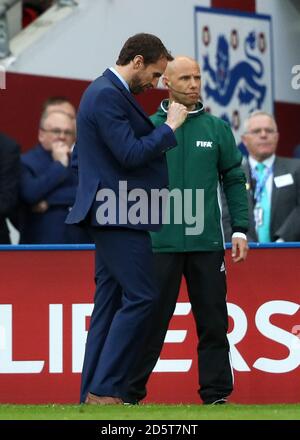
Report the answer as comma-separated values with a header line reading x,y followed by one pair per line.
x,y
150,412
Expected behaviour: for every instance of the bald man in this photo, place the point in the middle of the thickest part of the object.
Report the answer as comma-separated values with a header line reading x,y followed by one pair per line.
x,y
206,159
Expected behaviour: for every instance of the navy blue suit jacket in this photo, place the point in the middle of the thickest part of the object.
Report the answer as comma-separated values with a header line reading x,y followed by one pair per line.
x,y
116,141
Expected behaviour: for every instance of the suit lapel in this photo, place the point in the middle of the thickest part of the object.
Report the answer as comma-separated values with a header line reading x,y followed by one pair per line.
x,y
117,83
274,197
250,184
250,193
247,172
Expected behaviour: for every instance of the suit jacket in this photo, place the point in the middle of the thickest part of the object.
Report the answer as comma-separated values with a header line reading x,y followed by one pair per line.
x,y
42,178
285,202
116,141
9,182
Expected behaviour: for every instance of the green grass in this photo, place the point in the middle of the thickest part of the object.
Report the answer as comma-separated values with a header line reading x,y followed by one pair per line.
x,y
150,412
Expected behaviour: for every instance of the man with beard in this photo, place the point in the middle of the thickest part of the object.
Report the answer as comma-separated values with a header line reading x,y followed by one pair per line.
x,y
117,142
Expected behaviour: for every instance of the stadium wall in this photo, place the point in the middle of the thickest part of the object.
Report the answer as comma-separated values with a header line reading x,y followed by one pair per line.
x,y
46,301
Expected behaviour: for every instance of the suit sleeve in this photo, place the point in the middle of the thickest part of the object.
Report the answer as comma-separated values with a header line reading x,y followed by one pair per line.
x,y
35,188
116,131
290,228
9,178
233,182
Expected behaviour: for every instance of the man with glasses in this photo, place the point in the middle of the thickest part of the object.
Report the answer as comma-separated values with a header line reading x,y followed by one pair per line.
x,y
48,184
273,184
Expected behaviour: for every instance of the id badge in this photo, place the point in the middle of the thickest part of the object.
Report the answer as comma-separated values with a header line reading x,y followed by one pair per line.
x,y
258,216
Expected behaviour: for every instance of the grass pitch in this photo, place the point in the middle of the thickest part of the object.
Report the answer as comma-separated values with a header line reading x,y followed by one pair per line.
x,y
150,412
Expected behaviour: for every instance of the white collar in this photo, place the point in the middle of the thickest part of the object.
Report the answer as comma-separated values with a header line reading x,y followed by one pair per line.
x,y
267,162
120,78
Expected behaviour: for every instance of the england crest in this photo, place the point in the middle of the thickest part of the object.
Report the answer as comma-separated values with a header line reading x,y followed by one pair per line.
x,y
234,50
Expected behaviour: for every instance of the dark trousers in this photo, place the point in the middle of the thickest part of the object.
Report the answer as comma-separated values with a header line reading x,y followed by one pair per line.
x,y
124,299
206,282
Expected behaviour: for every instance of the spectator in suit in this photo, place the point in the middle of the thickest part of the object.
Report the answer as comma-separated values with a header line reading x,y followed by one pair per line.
x,y
9,182
60,104
48,184
273,185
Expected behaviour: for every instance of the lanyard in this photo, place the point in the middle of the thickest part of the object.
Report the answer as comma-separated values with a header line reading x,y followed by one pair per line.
x,y
260,182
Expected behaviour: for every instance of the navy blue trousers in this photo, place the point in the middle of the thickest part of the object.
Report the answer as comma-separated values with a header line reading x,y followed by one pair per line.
x,y
124,299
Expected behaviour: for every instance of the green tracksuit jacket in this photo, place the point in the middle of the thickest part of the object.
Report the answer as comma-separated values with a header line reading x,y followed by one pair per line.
x,y
205,158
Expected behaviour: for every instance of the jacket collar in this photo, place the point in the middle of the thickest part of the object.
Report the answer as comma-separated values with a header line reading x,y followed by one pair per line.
x,y
117,83
164,106
114,79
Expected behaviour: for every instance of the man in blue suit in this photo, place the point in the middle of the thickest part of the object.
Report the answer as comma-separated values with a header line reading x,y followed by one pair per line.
x,y
48,184
118,152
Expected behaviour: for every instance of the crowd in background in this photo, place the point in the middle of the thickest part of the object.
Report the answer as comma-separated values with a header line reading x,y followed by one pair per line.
x,y
37,188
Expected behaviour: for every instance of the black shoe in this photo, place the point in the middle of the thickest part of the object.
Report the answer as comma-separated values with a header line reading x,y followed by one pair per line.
x,y
133,402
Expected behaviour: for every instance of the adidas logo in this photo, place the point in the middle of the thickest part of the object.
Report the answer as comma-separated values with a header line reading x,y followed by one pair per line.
x,y
204,144
222,268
